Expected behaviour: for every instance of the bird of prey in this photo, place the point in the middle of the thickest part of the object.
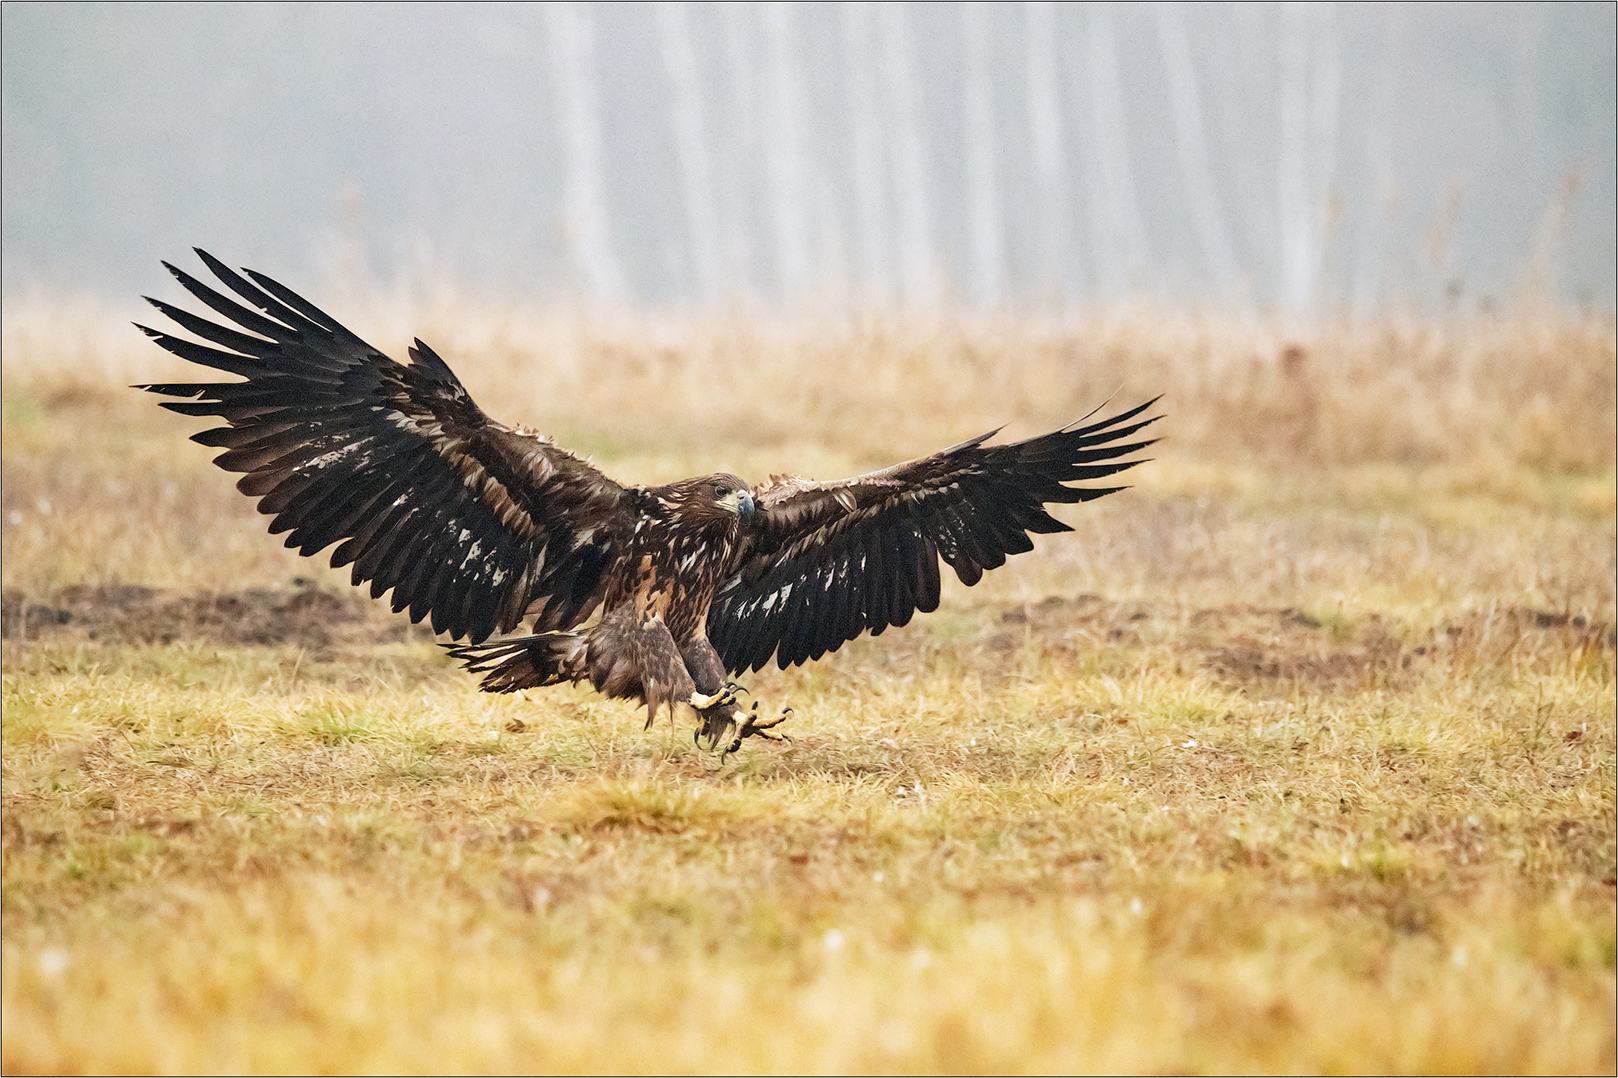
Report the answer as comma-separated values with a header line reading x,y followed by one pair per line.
x,y
651,593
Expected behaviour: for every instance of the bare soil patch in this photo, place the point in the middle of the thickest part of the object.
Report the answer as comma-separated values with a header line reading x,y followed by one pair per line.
x,y
1286,648
1246,647
315,620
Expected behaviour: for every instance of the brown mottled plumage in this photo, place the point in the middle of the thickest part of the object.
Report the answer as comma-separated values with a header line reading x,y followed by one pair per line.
x,y
649,593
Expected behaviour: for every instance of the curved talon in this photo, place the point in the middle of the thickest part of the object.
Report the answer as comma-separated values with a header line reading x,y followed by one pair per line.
x,y
722,722
751,726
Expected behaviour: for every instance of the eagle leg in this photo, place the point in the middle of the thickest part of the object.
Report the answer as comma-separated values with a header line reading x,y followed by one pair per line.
x,y
723,698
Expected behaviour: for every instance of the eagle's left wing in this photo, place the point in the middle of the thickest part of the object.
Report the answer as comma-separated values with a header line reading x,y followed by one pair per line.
x,y
463,518
825,562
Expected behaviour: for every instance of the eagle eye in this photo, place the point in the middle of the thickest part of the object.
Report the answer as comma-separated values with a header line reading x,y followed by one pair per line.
x,y
720,490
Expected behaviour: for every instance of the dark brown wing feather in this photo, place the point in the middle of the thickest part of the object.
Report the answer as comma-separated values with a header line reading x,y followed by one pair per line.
x,y
463,518
825,562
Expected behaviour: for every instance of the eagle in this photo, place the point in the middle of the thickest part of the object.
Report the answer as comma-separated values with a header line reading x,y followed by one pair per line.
x,y
659,594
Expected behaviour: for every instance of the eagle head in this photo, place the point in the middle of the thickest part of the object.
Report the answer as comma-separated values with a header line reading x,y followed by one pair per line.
x,y
731,495
713,500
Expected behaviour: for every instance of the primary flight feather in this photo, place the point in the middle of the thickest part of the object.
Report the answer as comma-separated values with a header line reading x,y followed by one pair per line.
x,y
656,594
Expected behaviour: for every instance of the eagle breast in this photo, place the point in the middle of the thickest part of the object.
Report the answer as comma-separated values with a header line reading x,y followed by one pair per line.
x,y
683,547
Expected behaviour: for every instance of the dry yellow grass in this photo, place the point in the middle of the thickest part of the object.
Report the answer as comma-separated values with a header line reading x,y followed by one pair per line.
x,y
1297,756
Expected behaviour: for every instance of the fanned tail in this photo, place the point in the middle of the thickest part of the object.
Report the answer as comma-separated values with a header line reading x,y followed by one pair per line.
x,y
623,656
525,662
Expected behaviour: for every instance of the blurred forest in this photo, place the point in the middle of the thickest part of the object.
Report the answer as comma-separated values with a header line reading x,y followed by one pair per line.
x,y
1299,161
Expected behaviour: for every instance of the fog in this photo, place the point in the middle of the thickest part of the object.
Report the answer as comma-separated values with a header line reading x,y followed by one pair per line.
x,y
1306,161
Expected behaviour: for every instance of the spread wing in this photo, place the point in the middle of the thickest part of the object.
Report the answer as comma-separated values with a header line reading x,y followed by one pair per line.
x,y
825,562
463,518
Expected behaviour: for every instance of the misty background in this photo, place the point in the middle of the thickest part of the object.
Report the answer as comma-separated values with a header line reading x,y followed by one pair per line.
x,y
1305,161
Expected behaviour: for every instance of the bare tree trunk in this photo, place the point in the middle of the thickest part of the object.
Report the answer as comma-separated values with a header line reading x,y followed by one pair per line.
x,y
790,196
1118,235
1293,189
691,149
908,140
586,217
738,180
982,187
867,175
1191,140
1325,94
1057,275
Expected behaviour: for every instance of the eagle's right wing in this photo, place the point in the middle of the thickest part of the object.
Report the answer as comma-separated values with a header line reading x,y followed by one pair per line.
x,y
463,518
824,562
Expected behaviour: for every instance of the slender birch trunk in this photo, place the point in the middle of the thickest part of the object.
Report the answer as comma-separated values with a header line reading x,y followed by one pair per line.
x,y
1057,274
1118,235
910,165
1293,188
789,191
586,214
1191,140
868,183
687,120
987,245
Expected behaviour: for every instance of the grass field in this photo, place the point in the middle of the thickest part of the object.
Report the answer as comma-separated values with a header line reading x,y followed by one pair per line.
x,y
1296,756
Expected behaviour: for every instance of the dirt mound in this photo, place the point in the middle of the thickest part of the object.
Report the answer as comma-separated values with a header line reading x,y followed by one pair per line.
x,y
261,616
1086,616
1243,646
1238,644
1285,649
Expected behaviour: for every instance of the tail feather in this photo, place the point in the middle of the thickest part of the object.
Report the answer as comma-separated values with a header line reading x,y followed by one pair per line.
x,y
526,662
624,656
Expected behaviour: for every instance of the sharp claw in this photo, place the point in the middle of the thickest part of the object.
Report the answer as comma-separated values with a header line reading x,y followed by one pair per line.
x,y
722,718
